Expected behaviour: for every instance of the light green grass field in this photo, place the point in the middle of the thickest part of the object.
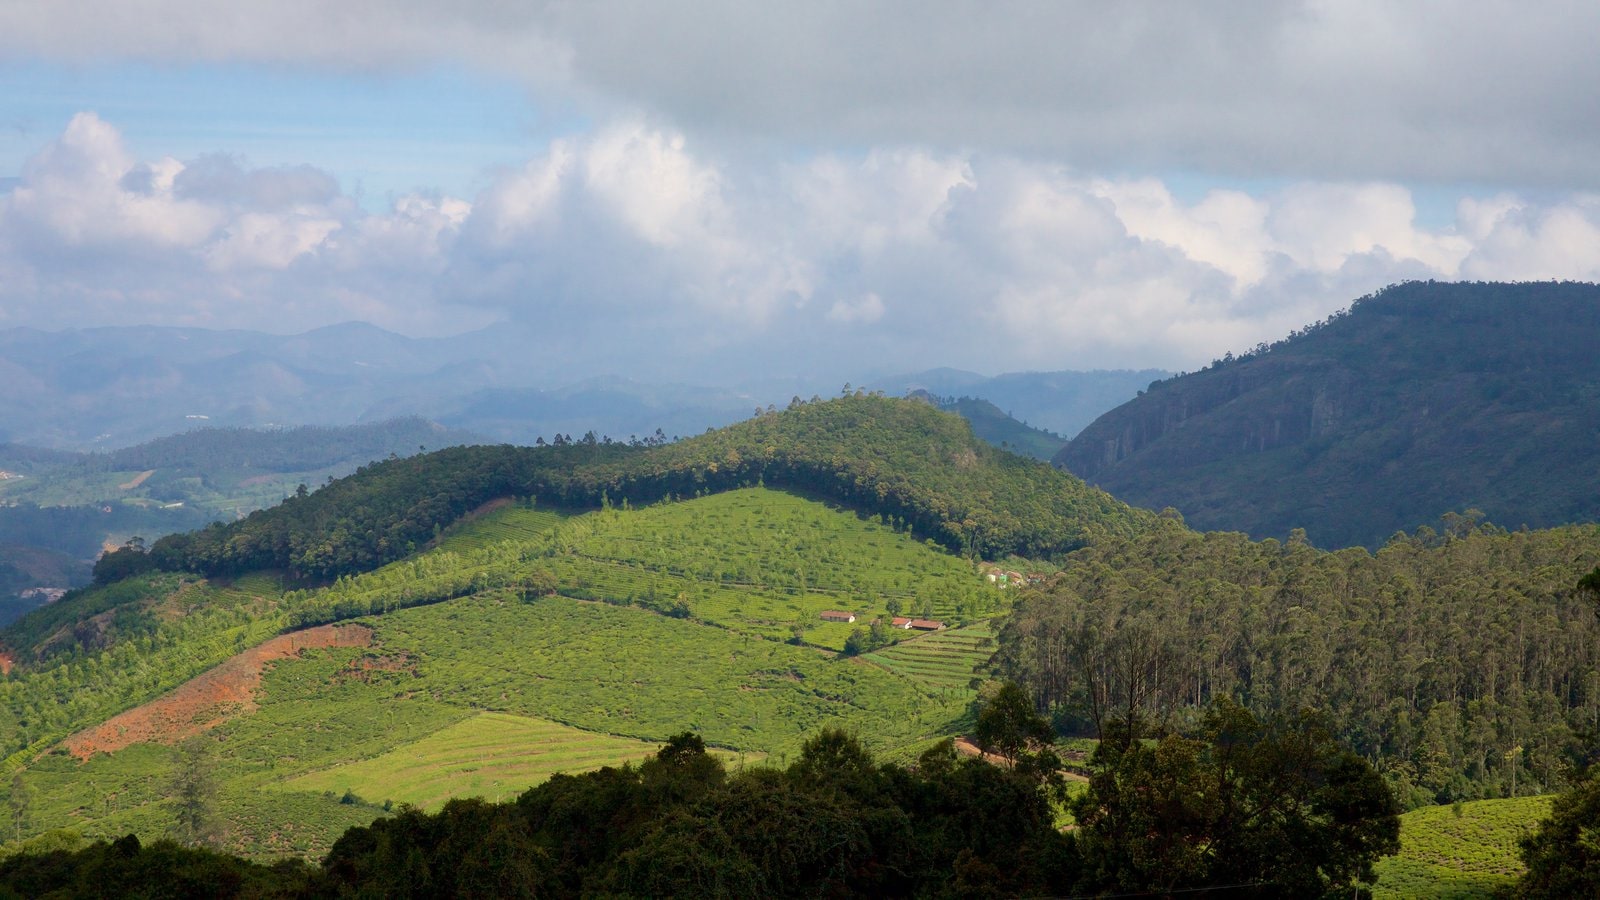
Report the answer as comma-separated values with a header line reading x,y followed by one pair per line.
x,y
1459,853
492,755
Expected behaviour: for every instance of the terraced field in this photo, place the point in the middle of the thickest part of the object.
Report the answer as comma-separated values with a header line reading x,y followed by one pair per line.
x,y
491,755
1465,851
944,660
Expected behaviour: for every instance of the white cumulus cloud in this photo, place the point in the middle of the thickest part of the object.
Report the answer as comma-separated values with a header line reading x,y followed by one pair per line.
x,y
635,248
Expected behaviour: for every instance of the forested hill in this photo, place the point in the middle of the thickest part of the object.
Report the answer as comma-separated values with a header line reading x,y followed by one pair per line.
x,y
1424,398
993,425
902,459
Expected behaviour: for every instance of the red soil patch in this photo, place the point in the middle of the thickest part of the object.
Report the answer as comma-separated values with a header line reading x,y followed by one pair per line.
x,y
209,699
968,748
6,662
138,479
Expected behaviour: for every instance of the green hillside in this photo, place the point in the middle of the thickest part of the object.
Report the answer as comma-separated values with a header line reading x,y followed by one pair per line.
x,y
917,467
491,755
502,666
223,472
1424,398
1460,851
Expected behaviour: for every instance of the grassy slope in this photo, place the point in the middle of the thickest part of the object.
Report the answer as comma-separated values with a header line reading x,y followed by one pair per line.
x,y
765,562
491,755
1459,852
339,719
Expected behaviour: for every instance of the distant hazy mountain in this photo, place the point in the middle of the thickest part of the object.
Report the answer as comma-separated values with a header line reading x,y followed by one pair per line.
x,y
997,428
1059,402
103,388
59,509
1425,398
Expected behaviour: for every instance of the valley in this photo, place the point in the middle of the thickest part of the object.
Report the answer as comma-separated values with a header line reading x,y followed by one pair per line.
x,y
479,620
487,677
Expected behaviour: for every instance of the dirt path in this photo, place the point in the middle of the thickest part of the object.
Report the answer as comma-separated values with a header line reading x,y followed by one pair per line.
x,y
208,699
966,747
138,479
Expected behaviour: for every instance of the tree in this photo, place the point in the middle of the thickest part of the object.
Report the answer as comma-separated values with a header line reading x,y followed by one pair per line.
x,y
1008,724
1589,588
124,562
194,794
21,803
1563,855
1271,809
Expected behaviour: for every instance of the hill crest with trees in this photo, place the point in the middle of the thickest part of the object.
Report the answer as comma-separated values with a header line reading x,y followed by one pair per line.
x,y
1423,398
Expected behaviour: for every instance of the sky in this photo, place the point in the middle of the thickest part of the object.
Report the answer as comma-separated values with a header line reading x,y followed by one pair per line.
x,y
700,190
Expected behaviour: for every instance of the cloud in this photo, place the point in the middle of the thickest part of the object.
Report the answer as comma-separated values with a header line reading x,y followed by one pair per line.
x,y
636,249
1354,90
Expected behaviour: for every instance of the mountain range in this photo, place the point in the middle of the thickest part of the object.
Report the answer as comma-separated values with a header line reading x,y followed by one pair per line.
x,y
106,388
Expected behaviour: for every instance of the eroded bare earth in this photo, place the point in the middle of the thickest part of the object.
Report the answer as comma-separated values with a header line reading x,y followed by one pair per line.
x,y
209,699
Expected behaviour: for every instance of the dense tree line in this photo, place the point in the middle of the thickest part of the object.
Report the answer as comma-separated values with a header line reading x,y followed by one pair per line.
x,y
385,511
1302,820
1461,662
897,458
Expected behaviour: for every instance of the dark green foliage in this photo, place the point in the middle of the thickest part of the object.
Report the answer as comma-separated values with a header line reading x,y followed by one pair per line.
x,y
1266,810
1563,855
124,562
1425,397
194,795
835,822
897,458
1008,724
1463,664
164,870
386,511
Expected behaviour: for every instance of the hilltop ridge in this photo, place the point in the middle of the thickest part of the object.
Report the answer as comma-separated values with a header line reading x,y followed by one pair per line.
x,y
898,458
1424,398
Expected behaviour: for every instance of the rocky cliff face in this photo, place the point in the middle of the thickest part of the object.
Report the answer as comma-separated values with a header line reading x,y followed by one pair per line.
x,y
1424,399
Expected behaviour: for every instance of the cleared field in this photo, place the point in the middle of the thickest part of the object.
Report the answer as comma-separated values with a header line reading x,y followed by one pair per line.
x,y
1459,852
943,660
492,755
